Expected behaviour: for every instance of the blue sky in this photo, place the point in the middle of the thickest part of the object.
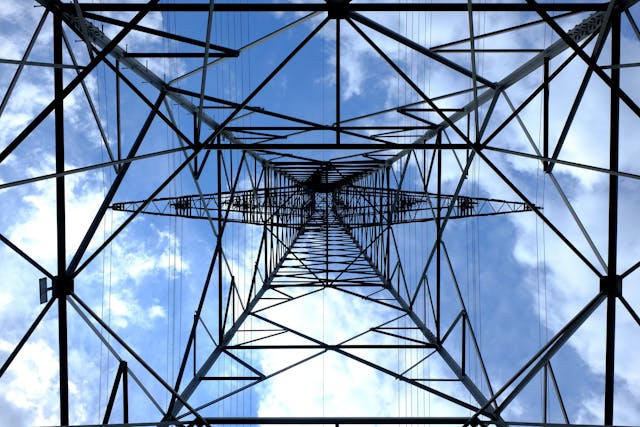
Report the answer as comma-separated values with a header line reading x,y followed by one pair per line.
x,y
520,282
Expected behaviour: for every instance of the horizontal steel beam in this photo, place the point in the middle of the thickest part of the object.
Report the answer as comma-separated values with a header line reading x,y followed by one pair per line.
x,y
342,420
351,7
327,347
332,146
325,127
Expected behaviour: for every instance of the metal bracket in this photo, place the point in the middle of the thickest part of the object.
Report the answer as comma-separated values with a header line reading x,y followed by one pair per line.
x,y
611,285
338,9
43,290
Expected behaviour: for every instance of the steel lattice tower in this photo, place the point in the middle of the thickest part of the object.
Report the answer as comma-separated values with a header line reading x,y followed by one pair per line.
x,y
354,180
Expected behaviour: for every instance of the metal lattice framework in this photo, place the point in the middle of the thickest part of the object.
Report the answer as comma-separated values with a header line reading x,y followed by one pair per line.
x,y
306,191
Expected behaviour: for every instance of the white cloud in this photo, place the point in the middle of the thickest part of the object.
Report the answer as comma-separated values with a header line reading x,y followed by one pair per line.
x,y
32,380
157,311
34,232
30,389
336,385
569,284
29,382
15,14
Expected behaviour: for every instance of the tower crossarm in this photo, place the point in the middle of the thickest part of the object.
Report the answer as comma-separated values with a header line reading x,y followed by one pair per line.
x,y
361,206
279,206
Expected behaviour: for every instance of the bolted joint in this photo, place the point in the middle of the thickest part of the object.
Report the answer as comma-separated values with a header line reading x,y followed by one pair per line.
x,y
474,422
62,286
338,9
611,285
477,146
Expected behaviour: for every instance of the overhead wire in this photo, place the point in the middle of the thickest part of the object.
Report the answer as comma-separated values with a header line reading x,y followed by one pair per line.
x,y
409,65
470,223
541,280
412,186
107,256
103,257
176,232
323,137
109,297
479,377
399,120
429,72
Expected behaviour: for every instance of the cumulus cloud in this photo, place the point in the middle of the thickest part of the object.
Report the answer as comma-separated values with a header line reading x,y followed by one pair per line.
x,y
30,387
333,384
29,383
127,307
143,259
569,283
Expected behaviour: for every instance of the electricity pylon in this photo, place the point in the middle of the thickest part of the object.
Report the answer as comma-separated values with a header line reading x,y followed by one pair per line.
x,y
362,208
321,251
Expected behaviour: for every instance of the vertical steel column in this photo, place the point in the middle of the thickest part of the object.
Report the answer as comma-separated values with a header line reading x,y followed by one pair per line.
x,y
545,120
387,253
612,285
545,388
61,286
378,221
125,392
268,222
219,245
438,239
265,234
338,80
196,141
326,235
118,112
